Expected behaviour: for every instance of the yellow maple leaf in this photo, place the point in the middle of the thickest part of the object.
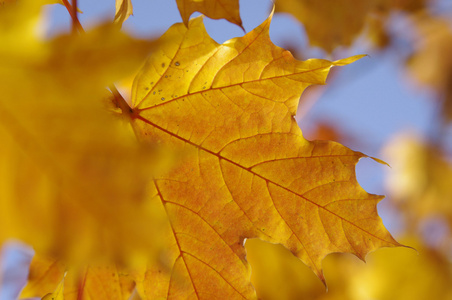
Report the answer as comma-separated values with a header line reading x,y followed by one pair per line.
x,y
246,171
215,9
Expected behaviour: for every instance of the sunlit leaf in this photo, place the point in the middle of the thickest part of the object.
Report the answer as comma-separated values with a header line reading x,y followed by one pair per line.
x,y
246,171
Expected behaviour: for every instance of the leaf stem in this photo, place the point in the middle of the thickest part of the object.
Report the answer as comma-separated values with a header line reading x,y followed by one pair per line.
x,y
72,9
120,101
75,14
81,284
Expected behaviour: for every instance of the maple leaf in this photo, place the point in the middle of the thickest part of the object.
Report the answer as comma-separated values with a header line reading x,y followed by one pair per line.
x,y
246,170
215,9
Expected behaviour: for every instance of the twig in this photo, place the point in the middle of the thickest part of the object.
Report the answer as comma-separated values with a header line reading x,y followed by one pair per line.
x,y
72,9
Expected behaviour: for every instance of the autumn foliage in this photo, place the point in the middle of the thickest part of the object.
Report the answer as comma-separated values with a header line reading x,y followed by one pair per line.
x,y
154,197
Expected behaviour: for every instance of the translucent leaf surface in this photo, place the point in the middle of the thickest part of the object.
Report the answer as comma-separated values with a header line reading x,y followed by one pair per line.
x,y
246,171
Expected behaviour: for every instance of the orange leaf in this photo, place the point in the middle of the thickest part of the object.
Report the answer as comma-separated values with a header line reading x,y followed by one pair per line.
x,y
246,171
215,9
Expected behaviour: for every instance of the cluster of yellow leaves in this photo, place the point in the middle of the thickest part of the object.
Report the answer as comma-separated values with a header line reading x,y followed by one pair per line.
x,y
220,159
74,180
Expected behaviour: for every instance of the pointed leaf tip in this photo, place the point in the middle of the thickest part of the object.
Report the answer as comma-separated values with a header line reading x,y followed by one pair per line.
x,y
380,161
348,60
